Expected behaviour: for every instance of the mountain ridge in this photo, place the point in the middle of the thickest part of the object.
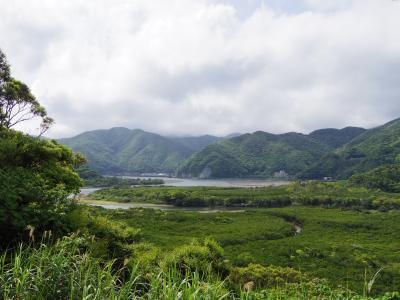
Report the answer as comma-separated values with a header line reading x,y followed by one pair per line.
x,y
265,154
373,148
122,150
328,152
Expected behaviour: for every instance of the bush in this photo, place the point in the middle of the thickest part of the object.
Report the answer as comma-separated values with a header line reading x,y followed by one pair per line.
x,y
266,277
203,258
111,239
385,178
36,180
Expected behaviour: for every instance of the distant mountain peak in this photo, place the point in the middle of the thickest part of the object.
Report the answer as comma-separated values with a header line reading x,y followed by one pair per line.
x,y
324,152
134,151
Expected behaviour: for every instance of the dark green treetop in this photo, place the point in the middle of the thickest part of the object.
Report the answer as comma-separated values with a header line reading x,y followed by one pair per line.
x,y
37,176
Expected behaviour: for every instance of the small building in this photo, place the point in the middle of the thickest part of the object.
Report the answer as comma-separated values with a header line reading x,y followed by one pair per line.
x,y
281,174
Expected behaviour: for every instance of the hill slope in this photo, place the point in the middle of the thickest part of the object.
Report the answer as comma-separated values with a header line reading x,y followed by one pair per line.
x,y
121,150
257,154
336,138
263,154
373,148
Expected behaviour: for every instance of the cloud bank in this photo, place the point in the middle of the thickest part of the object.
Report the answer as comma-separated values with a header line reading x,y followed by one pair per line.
x,y
192,67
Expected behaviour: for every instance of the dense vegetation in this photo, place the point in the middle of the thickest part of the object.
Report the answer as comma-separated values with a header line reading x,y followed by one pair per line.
x,y
333,244
53,248
373,148
92,178
314,193
262,154
121,150
106,181
262,257
323,153
36,178
385,178
62,271
336,138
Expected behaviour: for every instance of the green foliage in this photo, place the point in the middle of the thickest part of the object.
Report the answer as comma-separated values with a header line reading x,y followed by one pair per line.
x,y
94,179
266,277
64,271
17,104
314,193
36,178
120,150
338,245
261,154
385,178
203,258
323,153
336,137
118,182
68,269
373,148
85,172
110,238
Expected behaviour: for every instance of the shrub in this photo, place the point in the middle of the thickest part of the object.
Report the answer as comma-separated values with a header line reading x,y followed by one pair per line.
x,y
202,258
266,277
36,179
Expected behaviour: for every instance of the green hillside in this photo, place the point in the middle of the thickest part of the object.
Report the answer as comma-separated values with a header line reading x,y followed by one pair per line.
x,y
121,150
195,143
375,147
257,154
337,153
336,137
263,154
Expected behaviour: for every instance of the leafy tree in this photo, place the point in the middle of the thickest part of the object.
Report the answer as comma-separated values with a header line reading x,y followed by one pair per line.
x,y
37,176
36,179
385,178
17,104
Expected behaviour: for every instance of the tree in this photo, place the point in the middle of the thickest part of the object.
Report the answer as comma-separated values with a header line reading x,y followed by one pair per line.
x,y
37,176
17,104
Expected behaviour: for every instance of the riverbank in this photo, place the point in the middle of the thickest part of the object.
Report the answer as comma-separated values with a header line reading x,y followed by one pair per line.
x,y
163,207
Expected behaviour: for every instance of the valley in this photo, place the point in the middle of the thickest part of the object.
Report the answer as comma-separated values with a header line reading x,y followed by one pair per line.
x,y
336,245
324,153
129,214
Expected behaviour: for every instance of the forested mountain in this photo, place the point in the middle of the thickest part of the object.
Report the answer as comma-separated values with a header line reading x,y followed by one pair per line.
x,y
121,150
263,154
337,153
336,137
195,143
375,147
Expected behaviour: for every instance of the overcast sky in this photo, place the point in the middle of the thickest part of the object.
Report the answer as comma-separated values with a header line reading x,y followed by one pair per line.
x,y
190,67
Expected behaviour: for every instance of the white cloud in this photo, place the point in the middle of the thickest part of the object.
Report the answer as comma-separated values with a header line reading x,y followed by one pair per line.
x,y
192,67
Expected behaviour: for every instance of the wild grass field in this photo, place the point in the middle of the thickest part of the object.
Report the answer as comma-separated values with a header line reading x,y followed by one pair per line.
x,y
346,247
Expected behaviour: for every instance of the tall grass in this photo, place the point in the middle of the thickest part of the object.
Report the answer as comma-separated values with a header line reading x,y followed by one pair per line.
x,y
66,270
62,271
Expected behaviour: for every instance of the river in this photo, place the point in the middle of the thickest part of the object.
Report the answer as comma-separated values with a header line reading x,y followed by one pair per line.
x,y
164,207
186,182
233,182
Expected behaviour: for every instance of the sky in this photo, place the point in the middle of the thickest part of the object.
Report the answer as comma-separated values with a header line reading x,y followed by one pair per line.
x,y
192,67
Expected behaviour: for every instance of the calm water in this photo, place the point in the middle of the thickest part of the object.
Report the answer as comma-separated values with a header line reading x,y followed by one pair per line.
x,y
87,191
217,182
166,207
205,182
190,182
